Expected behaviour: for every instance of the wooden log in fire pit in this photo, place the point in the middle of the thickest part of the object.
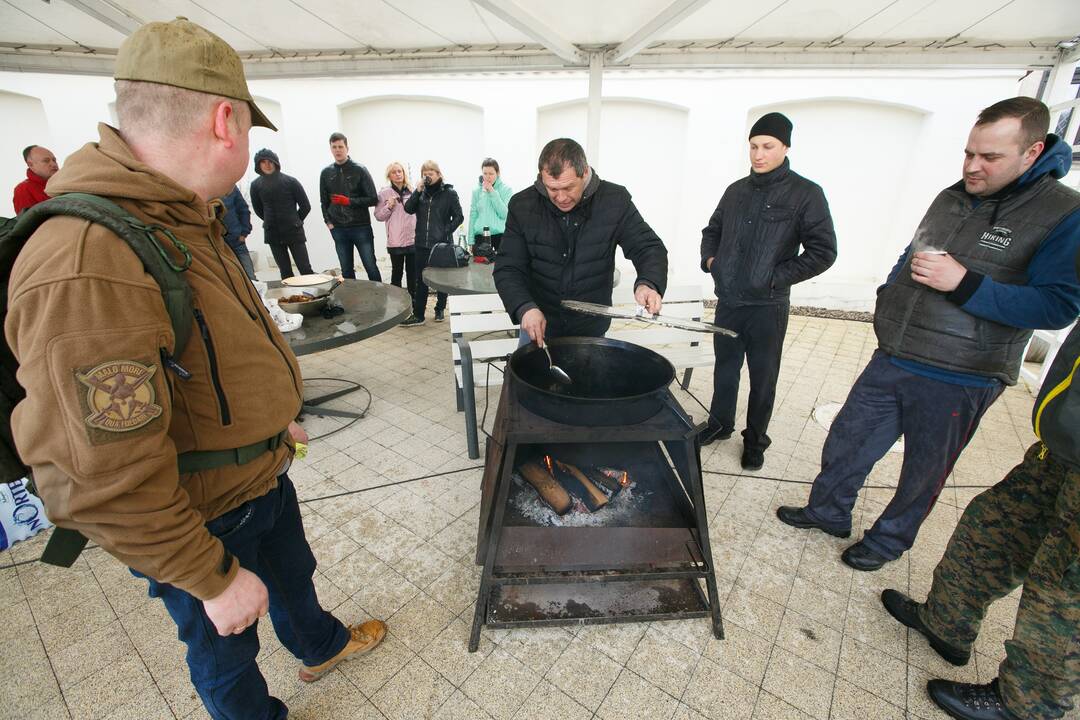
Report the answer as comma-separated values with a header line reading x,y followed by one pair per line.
x,y
551,492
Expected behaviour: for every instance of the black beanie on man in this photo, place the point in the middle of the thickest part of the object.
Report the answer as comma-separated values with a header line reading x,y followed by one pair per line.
x,y
775,125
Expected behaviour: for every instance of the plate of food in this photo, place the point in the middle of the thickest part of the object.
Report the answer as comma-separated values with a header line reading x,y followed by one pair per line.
x,y
292,300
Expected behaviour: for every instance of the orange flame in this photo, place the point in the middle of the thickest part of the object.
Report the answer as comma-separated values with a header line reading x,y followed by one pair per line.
x,y
550,465
625,479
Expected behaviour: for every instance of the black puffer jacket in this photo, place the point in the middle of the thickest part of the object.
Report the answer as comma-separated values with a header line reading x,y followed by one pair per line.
x,y
280,201
755,233
354,182
548,256
438,213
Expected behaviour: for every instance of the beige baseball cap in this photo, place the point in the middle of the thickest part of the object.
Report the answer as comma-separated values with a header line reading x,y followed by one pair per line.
x,y
185,55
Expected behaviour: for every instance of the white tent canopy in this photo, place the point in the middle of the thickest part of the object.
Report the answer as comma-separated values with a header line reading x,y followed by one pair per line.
x,y
291,38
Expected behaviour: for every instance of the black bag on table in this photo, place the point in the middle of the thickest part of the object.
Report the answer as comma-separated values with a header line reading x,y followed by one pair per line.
x,y
446,255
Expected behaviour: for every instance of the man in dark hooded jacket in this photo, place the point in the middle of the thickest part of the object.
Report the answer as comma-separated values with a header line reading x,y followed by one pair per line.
x,y
560,243
281,203
991,260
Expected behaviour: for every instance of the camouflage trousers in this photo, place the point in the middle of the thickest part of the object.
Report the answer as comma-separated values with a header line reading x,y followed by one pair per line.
x,y
1023,530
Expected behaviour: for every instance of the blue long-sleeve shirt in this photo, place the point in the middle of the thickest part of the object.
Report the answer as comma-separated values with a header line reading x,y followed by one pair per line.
x,y
1051,297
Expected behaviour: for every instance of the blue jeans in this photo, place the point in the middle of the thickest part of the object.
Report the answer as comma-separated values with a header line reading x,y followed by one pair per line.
x,y
363,239
266,536
244,256
937,419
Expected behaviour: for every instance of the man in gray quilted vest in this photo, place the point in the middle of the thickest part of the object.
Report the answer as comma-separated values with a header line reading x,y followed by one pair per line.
x,y
991,260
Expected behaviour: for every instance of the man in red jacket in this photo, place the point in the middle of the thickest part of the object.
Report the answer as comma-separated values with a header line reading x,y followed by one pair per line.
x,y
40,166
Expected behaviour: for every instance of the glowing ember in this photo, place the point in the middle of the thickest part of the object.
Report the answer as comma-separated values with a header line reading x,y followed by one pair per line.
x,y
550,465
625,479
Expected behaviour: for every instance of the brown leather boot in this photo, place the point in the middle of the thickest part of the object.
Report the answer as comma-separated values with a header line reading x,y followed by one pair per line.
x,y
363,639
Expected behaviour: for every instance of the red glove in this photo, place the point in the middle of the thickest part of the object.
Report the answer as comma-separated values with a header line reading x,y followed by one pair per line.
x,y
340,199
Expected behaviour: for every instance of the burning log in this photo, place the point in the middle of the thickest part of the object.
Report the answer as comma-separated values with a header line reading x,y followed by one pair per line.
x,y
610,480
551,492
580,485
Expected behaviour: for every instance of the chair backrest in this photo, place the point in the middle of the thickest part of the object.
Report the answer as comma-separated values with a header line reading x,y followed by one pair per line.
x,y
483,321
680,301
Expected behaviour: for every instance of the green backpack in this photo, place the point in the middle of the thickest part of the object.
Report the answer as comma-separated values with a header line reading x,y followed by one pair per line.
x,y
66,544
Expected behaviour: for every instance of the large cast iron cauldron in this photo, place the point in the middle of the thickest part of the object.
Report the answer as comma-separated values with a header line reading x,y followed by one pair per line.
x,y
614,382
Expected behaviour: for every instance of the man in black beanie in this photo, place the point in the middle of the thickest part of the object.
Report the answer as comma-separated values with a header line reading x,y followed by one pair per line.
x,y
751,247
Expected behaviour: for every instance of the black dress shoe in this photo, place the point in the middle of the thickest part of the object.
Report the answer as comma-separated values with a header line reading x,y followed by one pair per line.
x,y
965,701
860,557
752,458
710,434
906,612
797,517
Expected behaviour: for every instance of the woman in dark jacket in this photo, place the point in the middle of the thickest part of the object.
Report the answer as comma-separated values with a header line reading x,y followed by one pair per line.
x,y
281,203
438,215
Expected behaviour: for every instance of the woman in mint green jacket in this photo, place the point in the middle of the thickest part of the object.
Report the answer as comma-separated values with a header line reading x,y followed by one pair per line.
x,y
489,203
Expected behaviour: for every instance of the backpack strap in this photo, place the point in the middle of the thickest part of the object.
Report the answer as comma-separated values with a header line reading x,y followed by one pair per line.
x,y
140,237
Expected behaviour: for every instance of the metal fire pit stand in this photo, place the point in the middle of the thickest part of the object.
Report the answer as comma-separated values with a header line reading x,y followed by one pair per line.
x,y
527,566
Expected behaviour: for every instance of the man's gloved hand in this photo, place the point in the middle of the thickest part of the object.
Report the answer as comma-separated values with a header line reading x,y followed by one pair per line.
x,y
340,199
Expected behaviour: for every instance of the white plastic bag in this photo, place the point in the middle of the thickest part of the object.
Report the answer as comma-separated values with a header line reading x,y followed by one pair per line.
x,y
22,515
284,321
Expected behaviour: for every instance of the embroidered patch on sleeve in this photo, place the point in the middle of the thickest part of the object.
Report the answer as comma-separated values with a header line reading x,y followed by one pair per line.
x,y
119,396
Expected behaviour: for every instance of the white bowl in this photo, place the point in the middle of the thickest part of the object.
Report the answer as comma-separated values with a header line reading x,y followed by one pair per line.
x,y
321,284
311,307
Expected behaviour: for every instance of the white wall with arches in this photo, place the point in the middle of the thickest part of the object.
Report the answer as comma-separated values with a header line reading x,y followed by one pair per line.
x,y
881,142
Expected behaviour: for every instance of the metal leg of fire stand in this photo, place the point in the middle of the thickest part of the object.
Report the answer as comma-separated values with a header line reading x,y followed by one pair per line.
x,y
697,496
495,456
484,593
310,406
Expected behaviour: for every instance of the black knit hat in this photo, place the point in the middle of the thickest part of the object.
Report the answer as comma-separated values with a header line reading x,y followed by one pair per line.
x,y
775,125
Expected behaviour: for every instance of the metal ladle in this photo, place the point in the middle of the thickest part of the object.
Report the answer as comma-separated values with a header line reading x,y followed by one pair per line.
x,y
556,371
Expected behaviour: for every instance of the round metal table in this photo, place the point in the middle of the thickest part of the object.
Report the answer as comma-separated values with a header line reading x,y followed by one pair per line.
x,y
473,279
370,308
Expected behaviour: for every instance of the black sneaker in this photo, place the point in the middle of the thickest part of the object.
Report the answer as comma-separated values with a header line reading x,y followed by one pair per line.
x,y
752,458
412,321
906,612
439,317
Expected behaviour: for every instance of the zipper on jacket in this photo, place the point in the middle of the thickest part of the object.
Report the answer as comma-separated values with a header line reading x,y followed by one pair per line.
x,y
1054,392
427,225
215,377
256,300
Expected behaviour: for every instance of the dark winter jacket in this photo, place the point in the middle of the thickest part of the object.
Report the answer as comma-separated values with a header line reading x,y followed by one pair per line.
x,y
1056,415
548,256
237,218
438,213
354,182
755,233
280,201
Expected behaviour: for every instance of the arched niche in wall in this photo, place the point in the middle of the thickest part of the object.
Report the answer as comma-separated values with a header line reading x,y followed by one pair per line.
x,y
643,147
24,116
411,129
862,153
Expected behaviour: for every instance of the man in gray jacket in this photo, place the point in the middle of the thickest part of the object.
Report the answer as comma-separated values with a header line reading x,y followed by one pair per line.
x,y
991,260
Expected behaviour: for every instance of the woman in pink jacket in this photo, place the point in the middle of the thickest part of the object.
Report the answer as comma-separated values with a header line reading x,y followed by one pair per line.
x,y
400,226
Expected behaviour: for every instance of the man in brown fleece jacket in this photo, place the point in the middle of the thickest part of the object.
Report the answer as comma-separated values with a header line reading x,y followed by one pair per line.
x,y
113,422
